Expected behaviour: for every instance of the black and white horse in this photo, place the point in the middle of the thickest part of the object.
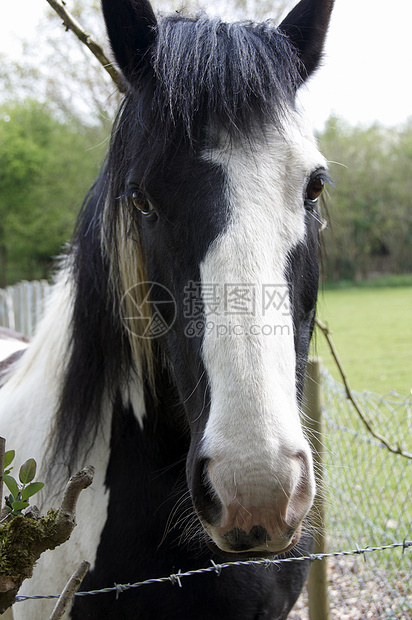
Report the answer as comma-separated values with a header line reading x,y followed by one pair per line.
x,y
172,355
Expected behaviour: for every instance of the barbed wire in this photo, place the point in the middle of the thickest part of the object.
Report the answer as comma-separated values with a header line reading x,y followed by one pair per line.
x,y
217,568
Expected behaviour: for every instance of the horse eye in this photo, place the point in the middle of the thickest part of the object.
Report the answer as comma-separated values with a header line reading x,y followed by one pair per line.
x,y
142,203
314,189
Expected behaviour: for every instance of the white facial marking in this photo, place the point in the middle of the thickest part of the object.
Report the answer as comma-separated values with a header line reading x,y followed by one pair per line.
x,y
253,434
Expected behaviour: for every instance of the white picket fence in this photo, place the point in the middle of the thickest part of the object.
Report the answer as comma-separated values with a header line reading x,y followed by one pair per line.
x,y
22,305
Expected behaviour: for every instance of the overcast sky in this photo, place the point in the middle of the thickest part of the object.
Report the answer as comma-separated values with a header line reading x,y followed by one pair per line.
x,y
366,75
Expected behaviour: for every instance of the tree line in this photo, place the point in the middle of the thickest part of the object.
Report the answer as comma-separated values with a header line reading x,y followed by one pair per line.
x,y
370,206
47,165
54,129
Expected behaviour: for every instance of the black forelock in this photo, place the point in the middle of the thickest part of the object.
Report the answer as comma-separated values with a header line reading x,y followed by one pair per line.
x,y
204,72
233,74
203,75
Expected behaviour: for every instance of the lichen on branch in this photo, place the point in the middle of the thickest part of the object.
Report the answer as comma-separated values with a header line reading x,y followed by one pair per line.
x,y
24,538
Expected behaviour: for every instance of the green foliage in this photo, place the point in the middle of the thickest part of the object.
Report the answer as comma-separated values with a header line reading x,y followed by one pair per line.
x,y
8,459
27,471
370,205
12,486
19,494
386,281
46,168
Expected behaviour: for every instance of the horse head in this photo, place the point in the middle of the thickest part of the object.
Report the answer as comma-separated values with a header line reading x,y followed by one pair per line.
x,y
214,182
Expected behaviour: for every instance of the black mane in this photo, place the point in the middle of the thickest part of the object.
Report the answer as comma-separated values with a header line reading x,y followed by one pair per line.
x,y
229,74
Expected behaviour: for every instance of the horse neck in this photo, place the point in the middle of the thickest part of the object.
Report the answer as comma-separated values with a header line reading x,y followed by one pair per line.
x,y
145,473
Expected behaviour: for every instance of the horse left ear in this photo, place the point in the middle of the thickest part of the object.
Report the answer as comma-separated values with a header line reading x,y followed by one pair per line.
x,y
131,26
306,26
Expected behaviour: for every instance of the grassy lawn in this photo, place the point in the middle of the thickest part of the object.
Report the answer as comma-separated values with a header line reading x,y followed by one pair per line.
x,y
372,331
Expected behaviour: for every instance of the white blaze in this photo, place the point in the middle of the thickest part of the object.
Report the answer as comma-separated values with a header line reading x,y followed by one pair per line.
x,y
254,426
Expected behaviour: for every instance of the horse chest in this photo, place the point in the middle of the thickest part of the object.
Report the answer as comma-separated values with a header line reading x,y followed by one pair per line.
x,y
144,537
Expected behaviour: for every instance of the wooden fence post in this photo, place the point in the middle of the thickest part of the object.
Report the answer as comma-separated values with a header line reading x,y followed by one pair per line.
x,y
318,576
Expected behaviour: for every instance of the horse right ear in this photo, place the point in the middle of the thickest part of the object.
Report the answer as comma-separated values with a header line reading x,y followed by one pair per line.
x,y
306,26
131,26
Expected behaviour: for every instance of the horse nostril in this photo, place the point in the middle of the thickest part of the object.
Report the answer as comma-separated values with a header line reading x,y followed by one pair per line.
x,y
304,461
239,540
302,496
201,475
204,499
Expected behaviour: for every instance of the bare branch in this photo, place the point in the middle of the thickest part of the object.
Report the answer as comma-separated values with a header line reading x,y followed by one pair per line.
x,y
66,518
69,591
349,393
72,24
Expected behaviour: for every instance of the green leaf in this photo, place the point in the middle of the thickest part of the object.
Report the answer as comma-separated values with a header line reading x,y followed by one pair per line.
x,y
8,458
17,506
31,489
27,471
11,484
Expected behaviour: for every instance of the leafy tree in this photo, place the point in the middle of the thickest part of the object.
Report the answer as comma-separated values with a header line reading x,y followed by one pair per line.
x,y
46,168
371,219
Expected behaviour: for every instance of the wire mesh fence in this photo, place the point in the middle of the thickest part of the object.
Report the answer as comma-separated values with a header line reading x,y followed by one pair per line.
x,y
368,499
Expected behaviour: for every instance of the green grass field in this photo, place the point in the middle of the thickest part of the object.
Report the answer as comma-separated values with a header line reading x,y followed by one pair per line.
x,y
372,331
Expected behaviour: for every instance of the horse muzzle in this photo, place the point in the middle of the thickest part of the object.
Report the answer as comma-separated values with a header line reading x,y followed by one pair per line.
x,y
250,513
